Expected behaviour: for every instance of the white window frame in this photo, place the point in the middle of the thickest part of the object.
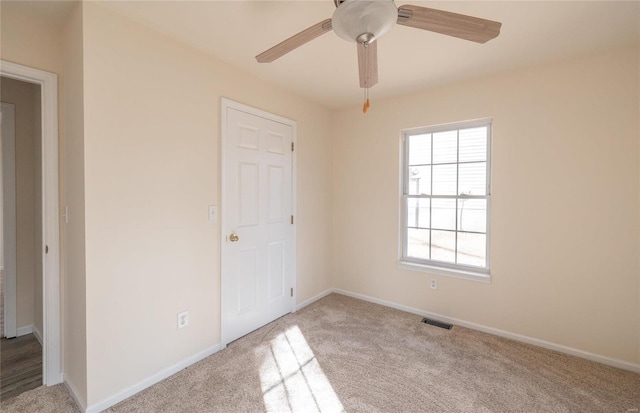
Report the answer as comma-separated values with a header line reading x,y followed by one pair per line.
x,y
432,266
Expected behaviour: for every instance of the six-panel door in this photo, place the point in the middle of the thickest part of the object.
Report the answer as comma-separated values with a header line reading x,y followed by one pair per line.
x,y
257,261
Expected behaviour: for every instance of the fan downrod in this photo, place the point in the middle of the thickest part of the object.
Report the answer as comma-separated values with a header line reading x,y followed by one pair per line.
x,y
365,38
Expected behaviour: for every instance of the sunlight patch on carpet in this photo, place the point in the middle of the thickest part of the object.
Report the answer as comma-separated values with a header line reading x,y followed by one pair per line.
x,y
291,377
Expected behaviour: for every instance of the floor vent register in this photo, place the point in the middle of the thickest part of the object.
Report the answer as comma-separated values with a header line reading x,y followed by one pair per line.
x,y
437,323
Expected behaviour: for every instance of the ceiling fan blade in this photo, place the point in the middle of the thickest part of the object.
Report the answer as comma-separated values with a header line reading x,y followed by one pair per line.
x,y
368,64
452,24
294,42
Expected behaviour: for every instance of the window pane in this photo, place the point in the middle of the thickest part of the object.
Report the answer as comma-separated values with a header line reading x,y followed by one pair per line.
x,y
473,178
472,215
443,224
420,149
443,214
418,243
420,180
471,249
445,147
418,212
444,179
411,212
473,144
443,246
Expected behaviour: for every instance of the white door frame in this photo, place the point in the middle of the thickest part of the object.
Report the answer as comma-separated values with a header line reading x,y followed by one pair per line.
x,y
230,104
48,82
9,256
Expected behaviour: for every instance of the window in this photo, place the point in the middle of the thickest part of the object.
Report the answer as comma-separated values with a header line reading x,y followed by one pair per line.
x,y
445,199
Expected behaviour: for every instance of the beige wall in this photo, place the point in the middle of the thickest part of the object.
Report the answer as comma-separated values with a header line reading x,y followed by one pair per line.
x,y
33,40
29,40
564,208
151,146
72,193
26,98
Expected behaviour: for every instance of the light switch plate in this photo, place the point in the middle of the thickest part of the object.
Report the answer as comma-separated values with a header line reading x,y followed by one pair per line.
x,y
213,212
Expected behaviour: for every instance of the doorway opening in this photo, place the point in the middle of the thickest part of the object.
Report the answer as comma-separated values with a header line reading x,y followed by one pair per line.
x,y
30,310
21,258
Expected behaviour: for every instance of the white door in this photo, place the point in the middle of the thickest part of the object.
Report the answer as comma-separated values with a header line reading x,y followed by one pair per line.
x,y
257,224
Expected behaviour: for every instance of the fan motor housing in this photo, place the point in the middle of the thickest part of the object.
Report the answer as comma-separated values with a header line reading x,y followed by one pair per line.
x,y
356,18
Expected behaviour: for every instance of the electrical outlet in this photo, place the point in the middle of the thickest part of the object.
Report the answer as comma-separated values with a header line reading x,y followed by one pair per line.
x,y
183,319
434,284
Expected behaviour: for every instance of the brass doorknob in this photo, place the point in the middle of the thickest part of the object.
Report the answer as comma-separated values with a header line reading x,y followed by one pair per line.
x,y
233,237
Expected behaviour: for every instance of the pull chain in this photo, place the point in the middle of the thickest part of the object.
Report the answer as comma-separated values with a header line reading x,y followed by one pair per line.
x,y
366,105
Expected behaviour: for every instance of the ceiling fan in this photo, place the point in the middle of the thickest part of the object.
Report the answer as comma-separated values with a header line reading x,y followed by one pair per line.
x,y
365,21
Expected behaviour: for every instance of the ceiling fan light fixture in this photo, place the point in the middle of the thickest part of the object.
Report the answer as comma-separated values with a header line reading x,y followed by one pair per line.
x,y
353,18
366,21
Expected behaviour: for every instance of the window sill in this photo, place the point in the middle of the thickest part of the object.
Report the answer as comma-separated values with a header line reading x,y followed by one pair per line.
x,y
447,272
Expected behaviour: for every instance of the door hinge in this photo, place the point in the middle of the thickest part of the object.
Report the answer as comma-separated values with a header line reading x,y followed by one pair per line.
x,y
291,219
291,146
46,249
292,291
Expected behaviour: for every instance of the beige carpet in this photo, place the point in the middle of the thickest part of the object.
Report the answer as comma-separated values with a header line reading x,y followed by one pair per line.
x,y
345,354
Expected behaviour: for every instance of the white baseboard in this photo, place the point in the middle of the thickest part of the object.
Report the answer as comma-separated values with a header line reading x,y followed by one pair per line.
x,y
38,334
163,374
313,299
149,381
24,330
624,365
80,403
30,329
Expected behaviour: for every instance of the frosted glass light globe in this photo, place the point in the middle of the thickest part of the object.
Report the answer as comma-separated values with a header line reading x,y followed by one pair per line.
x,y
354,18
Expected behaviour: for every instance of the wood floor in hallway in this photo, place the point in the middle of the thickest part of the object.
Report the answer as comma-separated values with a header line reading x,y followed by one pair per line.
x,y
20,365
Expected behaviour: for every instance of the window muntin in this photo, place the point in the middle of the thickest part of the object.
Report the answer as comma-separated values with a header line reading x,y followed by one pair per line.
x,y
445,200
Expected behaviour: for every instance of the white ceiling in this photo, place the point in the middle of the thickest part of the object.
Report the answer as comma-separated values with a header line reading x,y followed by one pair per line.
x,y
325,70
